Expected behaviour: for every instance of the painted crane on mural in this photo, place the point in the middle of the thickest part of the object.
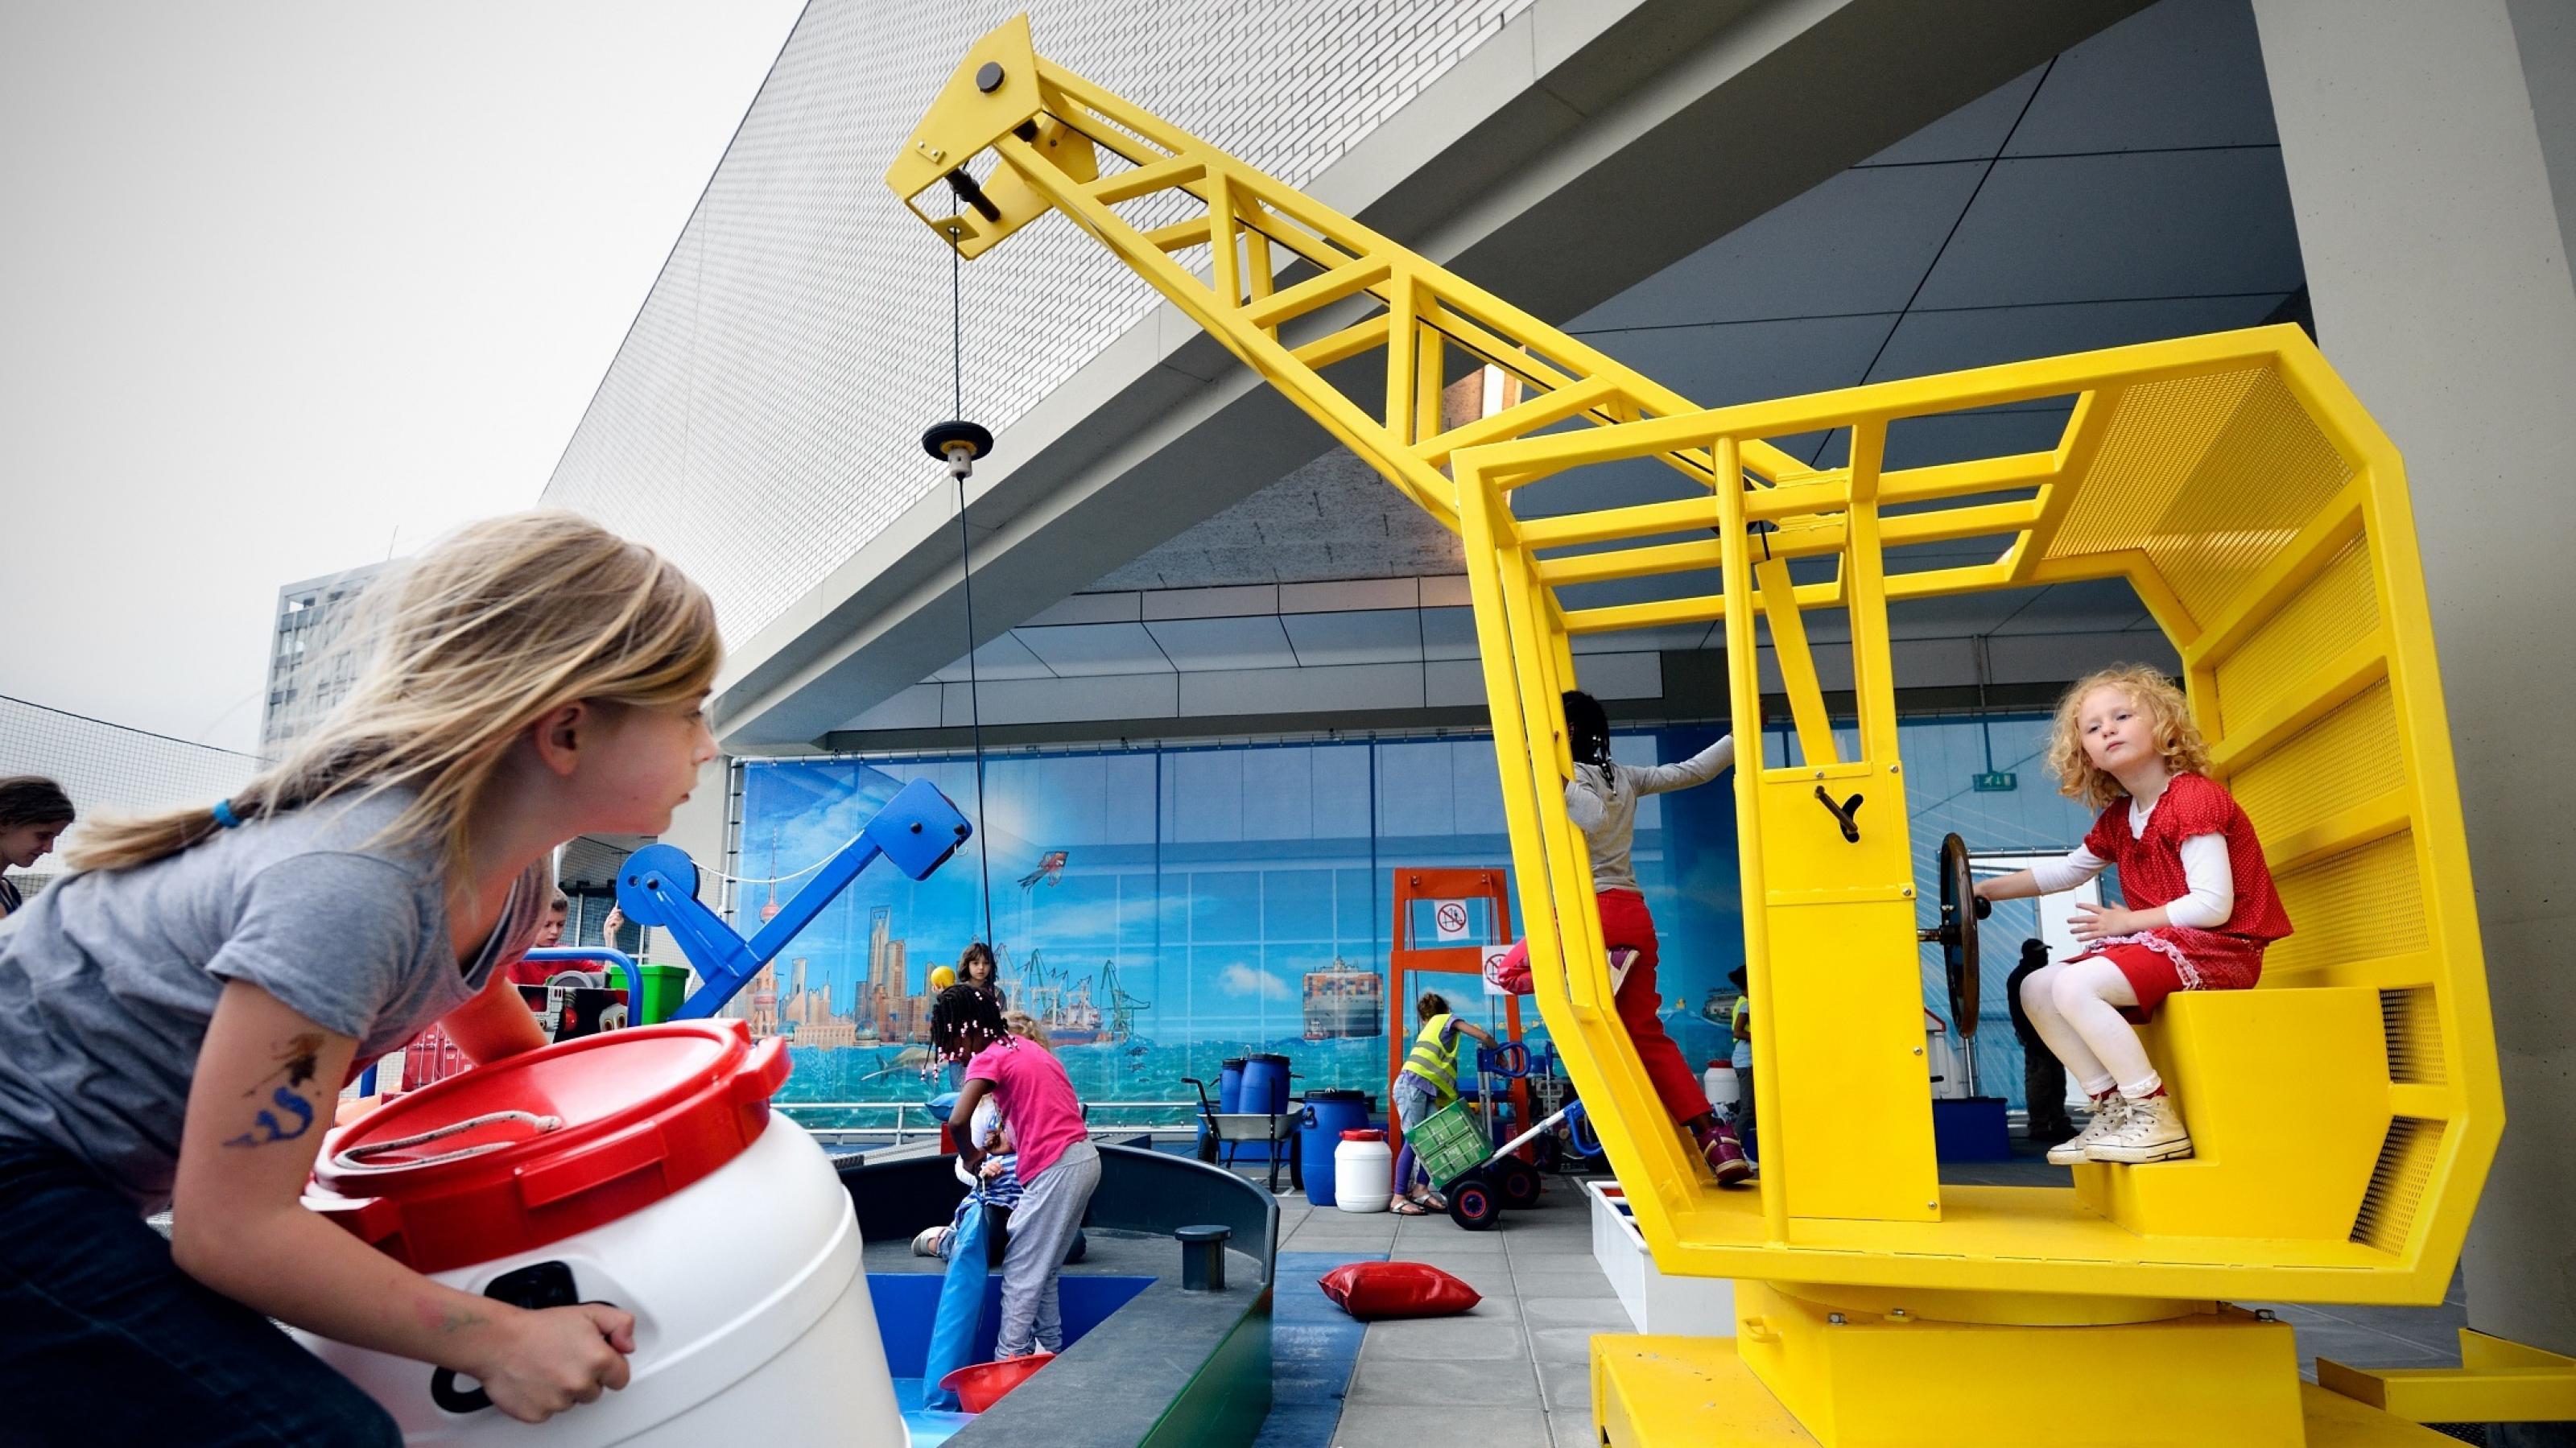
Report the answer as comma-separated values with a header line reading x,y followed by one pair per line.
x,y
2232,481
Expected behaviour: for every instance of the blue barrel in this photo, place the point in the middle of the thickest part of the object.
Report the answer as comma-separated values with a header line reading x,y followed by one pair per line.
x,y
1229,1087
1265,1084
1328,1114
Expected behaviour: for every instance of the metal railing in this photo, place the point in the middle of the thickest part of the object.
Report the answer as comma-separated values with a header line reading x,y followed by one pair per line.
x,y
912,1119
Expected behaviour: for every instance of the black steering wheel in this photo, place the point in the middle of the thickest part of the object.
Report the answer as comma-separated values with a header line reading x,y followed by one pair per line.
x,y
1961,909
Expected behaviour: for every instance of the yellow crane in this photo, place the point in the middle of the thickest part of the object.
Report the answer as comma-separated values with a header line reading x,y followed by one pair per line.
x,y
2346,1112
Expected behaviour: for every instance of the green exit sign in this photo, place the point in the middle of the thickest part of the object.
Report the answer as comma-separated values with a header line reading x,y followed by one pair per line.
x,y
2001,781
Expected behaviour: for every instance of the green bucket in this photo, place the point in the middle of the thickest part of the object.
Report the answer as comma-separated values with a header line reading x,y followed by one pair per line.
x,y
665,986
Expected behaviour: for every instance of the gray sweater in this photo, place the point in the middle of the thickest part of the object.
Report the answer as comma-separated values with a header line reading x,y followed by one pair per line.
x,y
1605,808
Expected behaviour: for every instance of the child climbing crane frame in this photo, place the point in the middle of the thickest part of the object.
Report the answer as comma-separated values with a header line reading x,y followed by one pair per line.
x,y
2231,481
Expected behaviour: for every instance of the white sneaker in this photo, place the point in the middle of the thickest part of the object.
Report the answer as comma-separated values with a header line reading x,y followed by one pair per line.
x,y
926,1242
2107,1115
2149,1130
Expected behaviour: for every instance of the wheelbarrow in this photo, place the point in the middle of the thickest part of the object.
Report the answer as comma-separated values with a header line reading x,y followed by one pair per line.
x,y
1224,1132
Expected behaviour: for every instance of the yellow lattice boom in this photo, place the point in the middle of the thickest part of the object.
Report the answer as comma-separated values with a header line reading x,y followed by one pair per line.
x,y
2346,1111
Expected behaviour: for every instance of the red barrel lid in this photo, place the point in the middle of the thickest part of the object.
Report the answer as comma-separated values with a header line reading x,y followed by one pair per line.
x,y
1370,1135
545,1145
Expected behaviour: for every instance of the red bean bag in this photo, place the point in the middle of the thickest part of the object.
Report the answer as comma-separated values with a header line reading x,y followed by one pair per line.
x,y
1373,1290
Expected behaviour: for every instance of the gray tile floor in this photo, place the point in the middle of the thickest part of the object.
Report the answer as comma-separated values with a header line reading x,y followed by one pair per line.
x,y
1514,1373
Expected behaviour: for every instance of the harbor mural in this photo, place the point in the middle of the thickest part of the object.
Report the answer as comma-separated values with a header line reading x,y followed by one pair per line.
x,y
1159,910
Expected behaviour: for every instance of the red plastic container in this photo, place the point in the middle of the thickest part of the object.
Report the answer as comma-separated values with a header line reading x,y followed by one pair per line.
x,y
981,1385
636,1115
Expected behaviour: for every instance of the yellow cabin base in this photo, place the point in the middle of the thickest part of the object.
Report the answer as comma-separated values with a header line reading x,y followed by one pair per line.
x,y
1696,1392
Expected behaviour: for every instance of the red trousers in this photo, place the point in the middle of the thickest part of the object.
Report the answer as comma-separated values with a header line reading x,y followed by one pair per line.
x,y
1625,924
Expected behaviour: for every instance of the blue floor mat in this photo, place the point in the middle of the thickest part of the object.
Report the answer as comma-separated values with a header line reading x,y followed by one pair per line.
x,y
929,1426
1314,1345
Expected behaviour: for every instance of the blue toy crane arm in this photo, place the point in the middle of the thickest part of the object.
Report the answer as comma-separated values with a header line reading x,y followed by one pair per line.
x,y
801,908
918,829
659,886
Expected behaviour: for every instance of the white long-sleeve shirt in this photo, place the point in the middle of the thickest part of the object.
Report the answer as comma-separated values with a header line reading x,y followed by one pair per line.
x,y
1605,809
2206,905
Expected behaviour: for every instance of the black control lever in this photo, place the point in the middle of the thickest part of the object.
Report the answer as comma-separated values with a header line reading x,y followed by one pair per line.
x,y
1842,813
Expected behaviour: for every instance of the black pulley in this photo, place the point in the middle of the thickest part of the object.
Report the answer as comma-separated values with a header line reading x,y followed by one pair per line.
x,y
1961,909
957,431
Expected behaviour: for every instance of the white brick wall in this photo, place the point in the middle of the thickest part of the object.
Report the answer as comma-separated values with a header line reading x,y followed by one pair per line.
x,y
761,421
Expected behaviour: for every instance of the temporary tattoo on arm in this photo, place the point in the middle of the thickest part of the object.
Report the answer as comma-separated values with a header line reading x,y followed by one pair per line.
x,y
267,1127
296,1060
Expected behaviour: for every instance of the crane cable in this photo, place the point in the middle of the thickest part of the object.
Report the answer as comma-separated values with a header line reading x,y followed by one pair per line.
x,y
965,565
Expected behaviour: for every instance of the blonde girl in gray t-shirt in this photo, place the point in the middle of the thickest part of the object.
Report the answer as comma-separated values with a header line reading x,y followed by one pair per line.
x,y
178,1015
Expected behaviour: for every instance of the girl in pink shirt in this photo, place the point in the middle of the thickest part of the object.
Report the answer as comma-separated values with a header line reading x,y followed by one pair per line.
x,y
1058,1166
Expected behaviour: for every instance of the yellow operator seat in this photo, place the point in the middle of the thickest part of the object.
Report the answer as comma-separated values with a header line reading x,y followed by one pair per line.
x,y
2346,1111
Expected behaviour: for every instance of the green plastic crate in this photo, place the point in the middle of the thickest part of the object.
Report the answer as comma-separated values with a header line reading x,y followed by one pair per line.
x,y
1449,1143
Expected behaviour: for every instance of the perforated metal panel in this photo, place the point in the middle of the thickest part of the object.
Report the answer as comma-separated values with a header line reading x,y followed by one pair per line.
x,y
2414,1023
2270,471
2397,1183
2362,904
2346,758
2211,476
761,421
2319,623
2158,436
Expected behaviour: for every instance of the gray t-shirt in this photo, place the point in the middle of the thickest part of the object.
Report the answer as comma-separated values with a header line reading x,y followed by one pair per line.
x,y
108,978
1605,809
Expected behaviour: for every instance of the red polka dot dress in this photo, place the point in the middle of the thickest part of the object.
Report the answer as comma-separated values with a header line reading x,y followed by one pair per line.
x,y
2182,957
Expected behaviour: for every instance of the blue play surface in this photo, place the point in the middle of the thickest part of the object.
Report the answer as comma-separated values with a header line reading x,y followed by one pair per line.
x,y
1314,1345
906,1302
928,1426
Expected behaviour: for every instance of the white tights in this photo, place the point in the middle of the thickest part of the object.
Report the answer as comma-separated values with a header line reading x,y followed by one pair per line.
x,y
2073,1005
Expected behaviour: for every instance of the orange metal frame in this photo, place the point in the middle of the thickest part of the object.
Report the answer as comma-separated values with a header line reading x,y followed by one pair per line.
x,y
1413,886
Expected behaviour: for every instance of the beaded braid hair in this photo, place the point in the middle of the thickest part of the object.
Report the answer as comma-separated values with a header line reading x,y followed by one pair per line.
x,y
960,1012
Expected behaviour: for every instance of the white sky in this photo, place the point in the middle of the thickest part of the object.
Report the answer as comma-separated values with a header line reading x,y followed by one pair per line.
x,y
280,282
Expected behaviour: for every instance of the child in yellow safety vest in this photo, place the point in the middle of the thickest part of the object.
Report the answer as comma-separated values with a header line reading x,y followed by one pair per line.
x,y
1428,1082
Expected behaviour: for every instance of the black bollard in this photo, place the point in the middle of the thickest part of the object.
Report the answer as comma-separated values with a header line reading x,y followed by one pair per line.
x,y
1203,1257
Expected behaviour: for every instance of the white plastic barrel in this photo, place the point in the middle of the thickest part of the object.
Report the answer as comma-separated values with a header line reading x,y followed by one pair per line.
x,y
1363,1172
1718,1083
753,1322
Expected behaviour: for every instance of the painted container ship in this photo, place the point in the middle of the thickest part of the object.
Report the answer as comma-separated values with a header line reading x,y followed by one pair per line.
x,y
1342,1003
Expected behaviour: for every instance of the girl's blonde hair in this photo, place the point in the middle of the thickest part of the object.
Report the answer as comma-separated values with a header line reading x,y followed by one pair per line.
x,y
2177,738
1026,1027
495,625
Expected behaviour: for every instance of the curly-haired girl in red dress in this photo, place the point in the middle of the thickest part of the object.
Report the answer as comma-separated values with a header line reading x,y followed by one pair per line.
x,y
2200,903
